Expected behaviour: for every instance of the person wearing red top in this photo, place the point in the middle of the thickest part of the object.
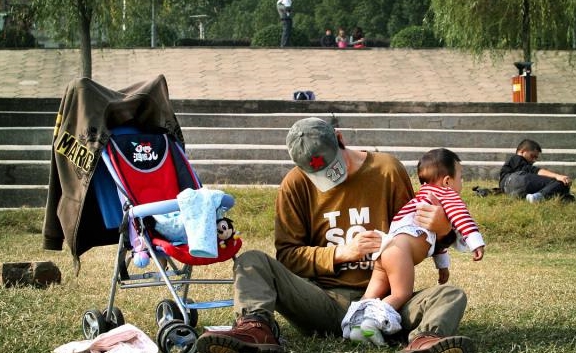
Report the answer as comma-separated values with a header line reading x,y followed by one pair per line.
x,y
407,244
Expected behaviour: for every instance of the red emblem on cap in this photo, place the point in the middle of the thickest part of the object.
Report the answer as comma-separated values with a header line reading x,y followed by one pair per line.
x,y
317,162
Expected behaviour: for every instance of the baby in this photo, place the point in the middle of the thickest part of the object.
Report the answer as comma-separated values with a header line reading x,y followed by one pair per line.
x,y
406,245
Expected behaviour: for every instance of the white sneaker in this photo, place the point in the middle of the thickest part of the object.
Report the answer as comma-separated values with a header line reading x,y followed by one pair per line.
x,y
534,198
357,335
370,331
353,318
386,318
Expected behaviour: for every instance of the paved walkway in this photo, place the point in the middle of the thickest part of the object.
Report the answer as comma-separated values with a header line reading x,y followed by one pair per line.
x,y
438,75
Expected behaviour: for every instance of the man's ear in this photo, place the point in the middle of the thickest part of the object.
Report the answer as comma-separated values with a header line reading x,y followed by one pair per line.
x,y
340,139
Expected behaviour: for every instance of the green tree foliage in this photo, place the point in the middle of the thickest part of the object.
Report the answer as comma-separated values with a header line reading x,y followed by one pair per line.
x,y
18,23
243,18
505,24
70,21
406,13
129,24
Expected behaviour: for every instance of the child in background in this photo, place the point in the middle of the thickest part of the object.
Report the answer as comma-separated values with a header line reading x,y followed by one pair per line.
x,y
407,244
357,39
519,176
341,39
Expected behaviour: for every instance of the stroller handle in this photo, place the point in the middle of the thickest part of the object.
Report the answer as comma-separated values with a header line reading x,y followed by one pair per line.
x,y
168,206
152,208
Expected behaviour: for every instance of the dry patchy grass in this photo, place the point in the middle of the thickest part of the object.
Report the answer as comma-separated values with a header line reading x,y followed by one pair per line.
x,y
521,296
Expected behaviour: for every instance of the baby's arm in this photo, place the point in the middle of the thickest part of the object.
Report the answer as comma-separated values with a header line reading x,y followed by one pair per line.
x,y
443,275
442,262
478,253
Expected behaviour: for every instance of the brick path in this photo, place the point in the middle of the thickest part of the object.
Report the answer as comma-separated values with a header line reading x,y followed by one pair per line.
x,y
438,75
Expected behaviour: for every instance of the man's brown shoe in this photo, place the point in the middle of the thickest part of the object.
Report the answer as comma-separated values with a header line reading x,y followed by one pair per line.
x,y
433,343
249,334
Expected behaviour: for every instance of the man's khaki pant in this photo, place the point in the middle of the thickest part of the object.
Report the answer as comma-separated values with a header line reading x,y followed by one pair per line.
x,y
263,285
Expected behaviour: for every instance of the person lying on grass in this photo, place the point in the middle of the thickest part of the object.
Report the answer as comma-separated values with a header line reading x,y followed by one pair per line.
x,y
519,177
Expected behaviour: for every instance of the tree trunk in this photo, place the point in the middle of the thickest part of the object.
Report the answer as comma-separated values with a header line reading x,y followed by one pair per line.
x,y
85,16
526,35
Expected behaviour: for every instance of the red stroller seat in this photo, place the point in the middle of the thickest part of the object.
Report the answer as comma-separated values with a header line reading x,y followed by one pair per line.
x,y
141,177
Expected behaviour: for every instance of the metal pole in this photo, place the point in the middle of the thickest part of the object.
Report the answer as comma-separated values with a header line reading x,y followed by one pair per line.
x,y
153,28
528,88
528,82
124,15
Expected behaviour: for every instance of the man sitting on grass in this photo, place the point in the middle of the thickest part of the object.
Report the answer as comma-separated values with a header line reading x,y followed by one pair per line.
x,y
328,209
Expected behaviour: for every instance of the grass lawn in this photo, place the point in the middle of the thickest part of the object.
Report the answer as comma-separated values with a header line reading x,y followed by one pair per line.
x,y
521,297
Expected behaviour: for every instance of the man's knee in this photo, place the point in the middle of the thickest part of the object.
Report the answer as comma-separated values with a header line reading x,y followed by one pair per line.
x,y
251,258
453,294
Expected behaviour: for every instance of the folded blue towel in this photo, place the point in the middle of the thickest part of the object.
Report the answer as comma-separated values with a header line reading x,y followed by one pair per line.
x,y
198,212
171,228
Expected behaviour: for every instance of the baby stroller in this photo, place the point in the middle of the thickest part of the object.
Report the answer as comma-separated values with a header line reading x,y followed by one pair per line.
x,y
117,171
141,177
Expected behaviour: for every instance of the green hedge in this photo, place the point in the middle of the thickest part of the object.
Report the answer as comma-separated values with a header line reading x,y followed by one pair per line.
x,y
16,38
193,42
270,37
415,37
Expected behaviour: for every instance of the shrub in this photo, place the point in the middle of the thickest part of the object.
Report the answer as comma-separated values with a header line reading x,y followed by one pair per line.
x,y
194,42
16,38
270,37
415,37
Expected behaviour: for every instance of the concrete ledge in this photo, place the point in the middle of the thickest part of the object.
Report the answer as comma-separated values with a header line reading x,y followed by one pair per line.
x,y
287,106
284,106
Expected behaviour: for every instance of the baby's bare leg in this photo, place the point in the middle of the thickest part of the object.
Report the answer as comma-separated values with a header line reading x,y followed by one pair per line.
x,y
398,261
378,287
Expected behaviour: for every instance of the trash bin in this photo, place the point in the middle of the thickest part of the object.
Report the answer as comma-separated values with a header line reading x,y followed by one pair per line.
x,y
524,84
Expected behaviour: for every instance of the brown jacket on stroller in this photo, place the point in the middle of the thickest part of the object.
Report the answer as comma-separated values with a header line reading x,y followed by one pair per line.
x,y
87,113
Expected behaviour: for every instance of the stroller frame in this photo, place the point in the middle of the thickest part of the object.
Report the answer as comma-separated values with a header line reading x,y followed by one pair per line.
x,y
176,317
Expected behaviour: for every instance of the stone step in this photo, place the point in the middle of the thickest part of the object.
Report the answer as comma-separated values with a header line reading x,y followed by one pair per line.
x,y
27,119
461,121
280,152
243,143
388,137
236,171
15,196
359,137
25,152
277,152
265,173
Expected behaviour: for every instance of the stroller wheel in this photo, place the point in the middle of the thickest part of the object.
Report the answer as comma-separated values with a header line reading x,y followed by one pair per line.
x,y
176,337
167,311
116,318
93,324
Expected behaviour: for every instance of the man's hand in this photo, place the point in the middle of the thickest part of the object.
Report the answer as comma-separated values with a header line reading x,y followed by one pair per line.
x,y
432,217
564,179
362,244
